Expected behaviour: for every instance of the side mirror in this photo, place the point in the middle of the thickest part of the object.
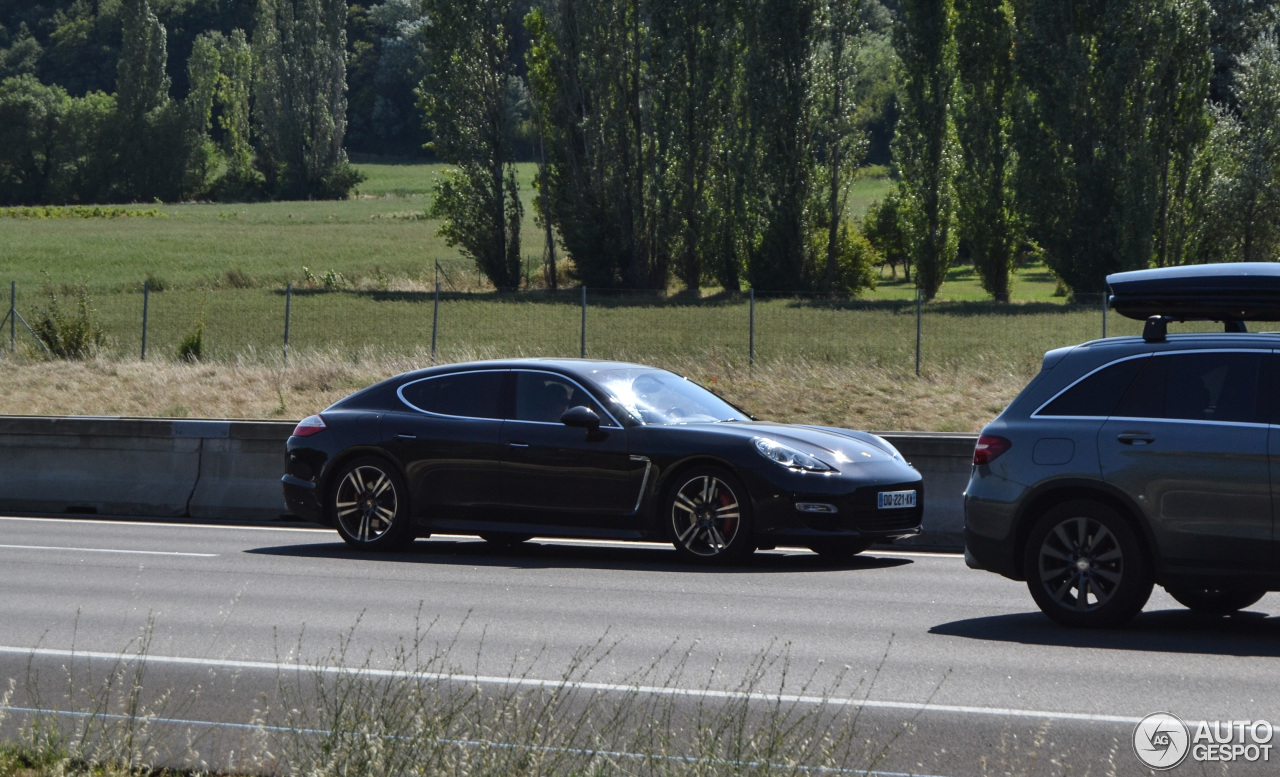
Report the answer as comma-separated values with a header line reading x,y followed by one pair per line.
x,y
581,417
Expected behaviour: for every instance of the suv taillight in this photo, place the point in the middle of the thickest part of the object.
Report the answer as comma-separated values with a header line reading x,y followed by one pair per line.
x,y
989,448
309,426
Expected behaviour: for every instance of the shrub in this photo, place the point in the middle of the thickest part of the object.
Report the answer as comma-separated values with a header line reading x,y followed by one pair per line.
x,y
239,279
69,334
191,349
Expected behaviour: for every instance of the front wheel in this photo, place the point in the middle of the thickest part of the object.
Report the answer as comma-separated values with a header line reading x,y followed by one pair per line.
x,y
1085,566
1214,601
708,517
370,504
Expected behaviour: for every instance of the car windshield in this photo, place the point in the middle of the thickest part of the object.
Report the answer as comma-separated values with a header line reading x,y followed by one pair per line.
x,y
659,397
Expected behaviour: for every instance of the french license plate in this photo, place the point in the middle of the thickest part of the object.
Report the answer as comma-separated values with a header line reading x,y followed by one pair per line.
x,y
889,500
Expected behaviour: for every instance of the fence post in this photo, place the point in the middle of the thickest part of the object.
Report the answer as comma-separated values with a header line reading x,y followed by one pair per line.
x,y
919,316
146,297
435,323
288,303
583,349
1104,315
13,316
751,330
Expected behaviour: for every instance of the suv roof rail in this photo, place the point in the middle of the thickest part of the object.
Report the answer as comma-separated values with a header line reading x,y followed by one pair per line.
x,y
1232,293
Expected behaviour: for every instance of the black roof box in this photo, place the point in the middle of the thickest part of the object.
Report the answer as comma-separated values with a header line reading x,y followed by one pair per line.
x,y
1232,292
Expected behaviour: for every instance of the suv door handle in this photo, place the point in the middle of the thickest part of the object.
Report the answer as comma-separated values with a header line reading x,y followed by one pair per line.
x,y
1135,438
515,444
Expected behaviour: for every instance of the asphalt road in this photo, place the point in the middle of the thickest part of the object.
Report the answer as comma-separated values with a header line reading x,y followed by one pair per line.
x,y
981,680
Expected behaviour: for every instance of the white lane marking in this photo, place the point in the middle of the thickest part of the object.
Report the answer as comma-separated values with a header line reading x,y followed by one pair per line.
x,y
530,682
108,550
91,521
455,537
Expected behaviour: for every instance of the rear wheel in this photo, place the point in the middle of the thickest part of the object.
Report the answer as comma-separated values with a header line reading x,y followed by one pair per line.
x,y
841,547
1214,601
370,505
708,517
1085,566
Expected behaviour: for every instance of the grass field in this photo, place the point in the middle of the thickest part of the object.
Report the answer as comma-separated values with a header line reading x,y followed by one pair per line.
x,y
363,272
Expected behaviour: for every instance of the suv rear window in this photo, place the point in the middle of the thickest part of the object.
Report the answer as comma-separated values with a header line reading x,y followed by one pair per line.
x,y
1224,386
1096,396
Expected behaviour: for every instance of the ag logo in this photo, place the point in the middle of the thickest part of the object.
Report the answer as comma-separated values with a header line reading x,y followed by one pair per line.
x,y
1161,740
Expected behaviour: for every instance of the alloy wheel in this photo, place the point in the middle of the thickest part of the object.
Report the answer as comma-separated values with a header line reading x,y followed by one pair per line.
x,y
1081,564
706,517
366,503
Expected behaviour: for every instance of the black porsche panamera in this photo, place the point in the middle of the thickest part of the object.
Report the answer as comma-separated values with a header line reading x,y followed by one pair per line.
x,y
590,449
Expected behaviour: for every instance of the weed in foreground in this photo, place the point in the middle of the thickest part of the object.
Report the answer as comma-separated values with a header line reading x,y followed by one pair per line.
x,y
415,711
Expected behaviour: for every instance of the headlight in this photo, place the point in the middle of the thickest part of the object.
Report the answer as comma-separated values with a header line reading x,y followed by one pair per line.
x,y
789,457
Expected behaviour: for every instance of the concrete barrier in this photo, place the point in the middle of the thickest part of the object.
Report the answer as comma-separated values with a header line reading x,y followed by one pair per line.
x,y
219,470
230,470
944,459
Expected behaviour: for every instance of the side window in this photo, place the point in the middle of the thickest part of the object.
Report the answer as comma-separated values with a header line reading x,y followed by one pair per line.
x,y
1096,396
544,397
1215,387
467,394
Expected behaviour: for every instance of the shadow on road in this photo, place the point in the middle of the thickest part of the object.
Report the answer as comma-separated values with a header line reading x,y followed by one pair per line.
x,y
1165,631
546,555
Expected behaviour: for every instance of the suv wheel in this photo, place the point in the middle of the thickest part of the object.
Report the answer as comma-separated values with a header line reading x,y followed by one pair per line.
x,y
1214,601
1085,567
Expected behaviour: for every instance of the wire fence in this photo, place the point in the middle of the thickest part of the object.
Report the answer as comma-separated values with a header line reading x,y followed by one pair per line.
x,y
279,324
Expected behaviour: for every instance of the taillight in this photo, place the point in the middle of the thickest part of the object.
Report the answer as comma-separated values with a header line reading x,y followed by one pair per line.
x,y
308,426
989,448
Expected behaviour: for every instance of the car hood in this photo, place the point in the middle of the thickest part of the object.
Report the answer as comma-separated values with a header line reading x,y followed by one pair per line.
x,y
843,445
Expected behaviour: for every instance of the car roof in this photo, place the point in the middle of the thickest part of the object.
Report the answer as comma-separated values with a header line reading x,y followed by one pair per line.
x,y
566,365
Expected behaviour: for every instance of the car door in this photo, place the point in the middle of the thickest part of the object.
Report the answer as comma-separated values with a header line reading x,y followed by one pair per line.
x,y
557,474
1189,442
446,435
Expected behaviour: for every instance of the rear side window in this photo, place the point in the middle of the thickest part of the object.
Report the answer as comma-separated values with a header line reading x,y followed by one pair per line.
x,y
1097,395
465,394
1219,386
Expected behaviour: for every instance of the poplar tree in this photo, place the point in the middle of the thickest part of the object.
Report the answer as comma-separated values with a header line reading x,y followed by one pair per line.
x,y
471,97
142,94
984,122
925,149
300,95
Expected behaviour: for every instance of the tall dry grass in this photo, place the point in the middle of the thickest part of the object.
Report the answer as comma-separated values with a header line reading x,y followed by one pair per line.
x,y
960,399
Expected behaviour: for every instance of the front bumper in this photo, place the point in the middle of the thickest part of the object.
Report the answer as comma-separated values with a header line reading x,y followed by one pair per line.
x,y
855,513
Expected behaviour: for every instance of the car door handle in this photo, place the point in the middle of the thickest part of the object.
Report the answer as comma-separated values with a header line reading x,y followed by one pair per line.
x,y
517,444
404,436
1135,438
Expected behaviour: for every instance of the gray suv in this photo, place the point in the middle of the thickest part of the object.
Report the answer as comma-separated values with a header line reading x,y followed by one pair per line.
x,y
1132,461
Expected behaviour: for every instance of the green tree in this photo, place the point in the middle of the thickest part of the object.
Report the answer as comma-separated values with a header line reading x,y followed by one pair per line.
x,y
925,146
1113,102
588,70
1242,222
300,98
840,144
142,100
472,97
984,121
778,73
883,229
691,46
